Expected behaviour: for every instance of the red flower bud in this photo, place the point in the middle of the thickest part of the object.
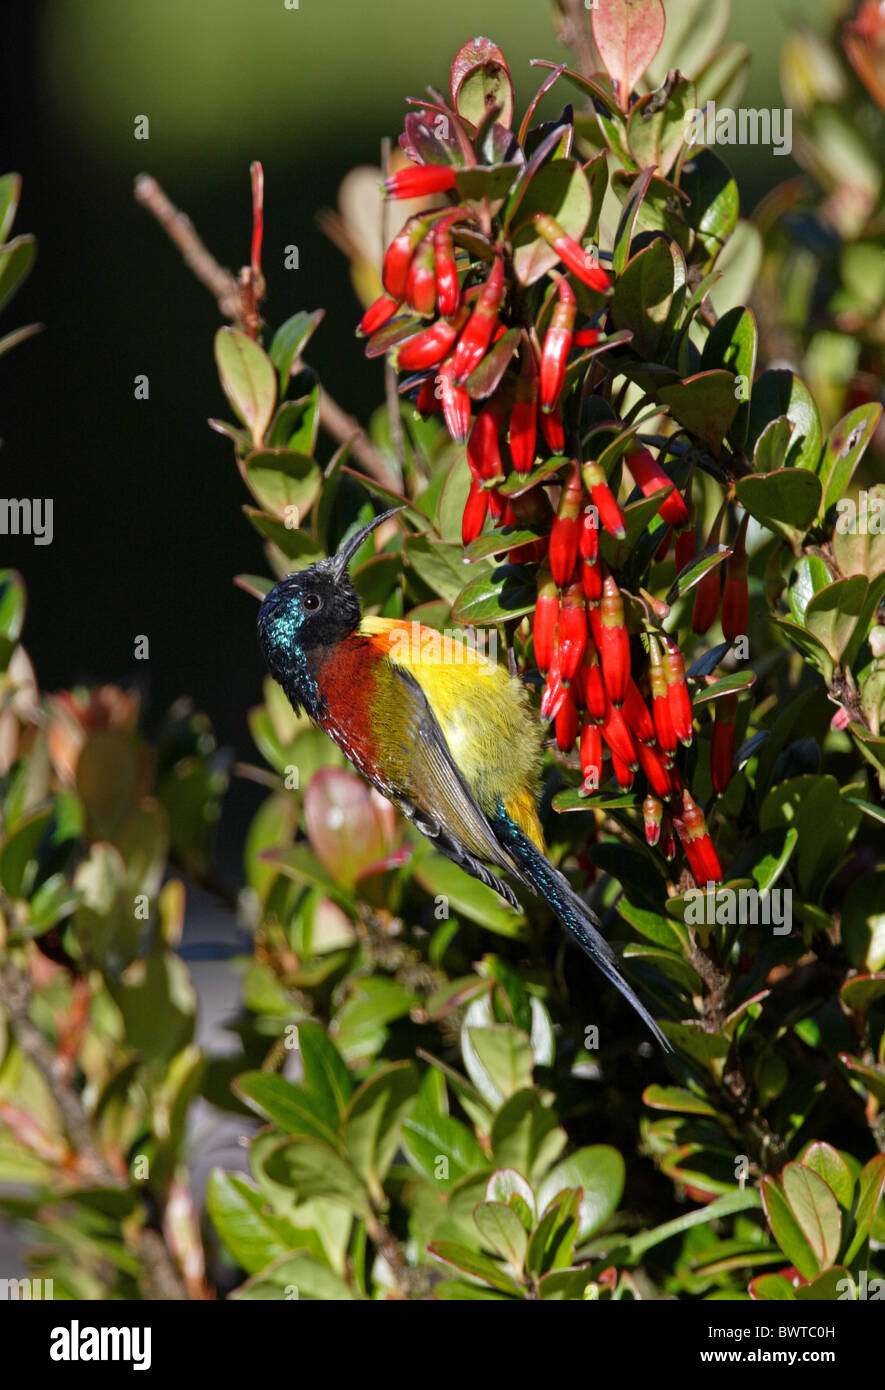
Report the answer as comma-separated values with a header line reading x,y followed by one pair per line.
x,y
586,337
377,314
455,404
591,755
652,812
722,748
604,500
708,591
484,450
590,682
552,430
618,736
678,698
430,346
653,766
625,775
588,543
398,257
612,640
571,631
565,532
427,402
420,181
557,345
546,619
554,691
566,723
637,715
483,321
421,279
699,848
591,580
579,261
524,416
650,477
660,704
668,839
735,598
475,511
448,286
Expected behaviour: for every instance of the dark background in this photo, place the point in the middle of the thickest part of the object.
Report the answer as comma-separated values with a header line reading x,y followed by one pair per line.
x,y
148,530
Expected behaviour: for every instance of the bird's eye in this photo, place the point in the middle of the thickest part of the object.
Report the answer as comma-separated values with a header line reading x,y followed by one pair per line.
x,y
312,603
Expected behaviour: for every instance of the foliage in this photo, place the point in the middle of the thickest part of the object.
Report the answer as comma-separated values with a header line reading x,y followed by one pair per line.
x,y
448,1103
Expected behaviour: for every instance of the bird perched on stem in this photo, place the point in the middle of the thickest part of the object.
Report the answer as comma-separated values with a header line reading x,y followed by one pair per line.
x,y
442,731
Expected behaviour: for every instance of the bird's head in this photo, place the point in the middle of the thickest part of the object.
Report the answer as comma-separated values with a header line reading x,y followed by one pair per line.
x,y
315,607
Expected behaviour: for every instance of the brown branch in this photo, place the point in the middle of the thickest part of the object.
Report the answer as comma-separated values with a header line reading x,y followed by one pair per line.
x,y
228,292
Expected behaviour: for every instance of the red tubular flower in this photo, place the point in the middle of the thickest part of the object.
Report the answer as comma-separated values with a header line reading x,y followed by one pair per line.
x,y
448,286
652,765
686,548
592,687
377,314
668,839
557,345
552,430
652,812
546,618
475,511
660,704
699,848
678,698
427,402
591,581
483,321
532,509
579,261
618,736
498,505
554,691
588,542
586,337
455,404
571,631
565,531
650,477
708,592
625,775
591,755
398,257
484,449
722,750
524,415
566,723
735,597
420,181
604,500
421,279
637,715
430,346
612,640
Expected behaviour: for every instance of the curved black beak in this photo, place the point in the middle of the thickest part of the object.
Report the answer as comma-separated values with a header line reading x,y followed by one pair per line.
x,y
342,558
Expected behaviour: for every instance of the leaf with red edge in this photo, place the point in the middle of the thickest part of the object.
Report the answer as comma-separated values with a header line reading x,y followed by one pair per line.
x,y
628,34
480,79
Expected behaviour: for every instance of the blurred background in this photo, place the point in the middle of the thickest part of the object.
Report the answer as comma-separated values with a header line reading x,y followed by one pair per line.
x,y
148,529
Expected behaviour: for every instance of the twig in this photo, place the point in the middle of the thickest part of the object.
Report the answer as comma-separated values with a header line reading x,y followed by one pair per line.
x,y
227,291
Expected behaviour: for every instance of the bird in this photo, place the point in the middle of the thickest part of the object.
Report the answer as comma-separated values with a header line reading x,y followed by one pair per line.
x,y
441,730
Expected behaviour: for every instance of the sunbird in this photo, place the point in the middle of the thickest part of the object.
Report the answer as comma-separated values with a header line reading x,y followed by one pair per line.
x,y
442,731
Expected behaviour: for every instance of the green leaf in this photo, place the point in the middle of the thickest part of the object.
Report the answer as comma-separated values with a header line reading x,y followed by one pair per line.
x,y
779,392
825,821
477,1265
599,1171
816,1210
870,1190
526,1135
496,596
503,1232
656,127
845,447
787,1231
19,853
442,1148
16,259
648,296
863,921
773,445
627,34
831,614
253,1233
248,379
827,1287
13,601
374,1119
480,80
484,181
714,201
311,1169
290,340
292,1109
676,1098
498,1058
695,570
441,566
732,344
299,1276
325,1073
705,404
466,896
10,192
552,1244
559,188
772,1288
785,501
285,483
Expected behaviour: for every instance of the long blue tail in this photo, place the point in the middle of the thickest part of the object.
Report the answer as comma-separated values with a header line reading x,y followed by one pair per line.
x,y
571,911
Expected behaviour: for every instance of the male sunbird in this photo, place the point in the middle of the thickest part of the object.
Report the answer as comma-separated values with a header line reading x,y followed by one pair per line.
x,y
440,730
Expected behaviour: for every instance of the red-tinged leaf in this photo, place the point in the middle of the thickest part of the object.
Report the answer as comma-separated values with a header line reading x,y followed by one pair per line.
x,y
628,34
480,80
